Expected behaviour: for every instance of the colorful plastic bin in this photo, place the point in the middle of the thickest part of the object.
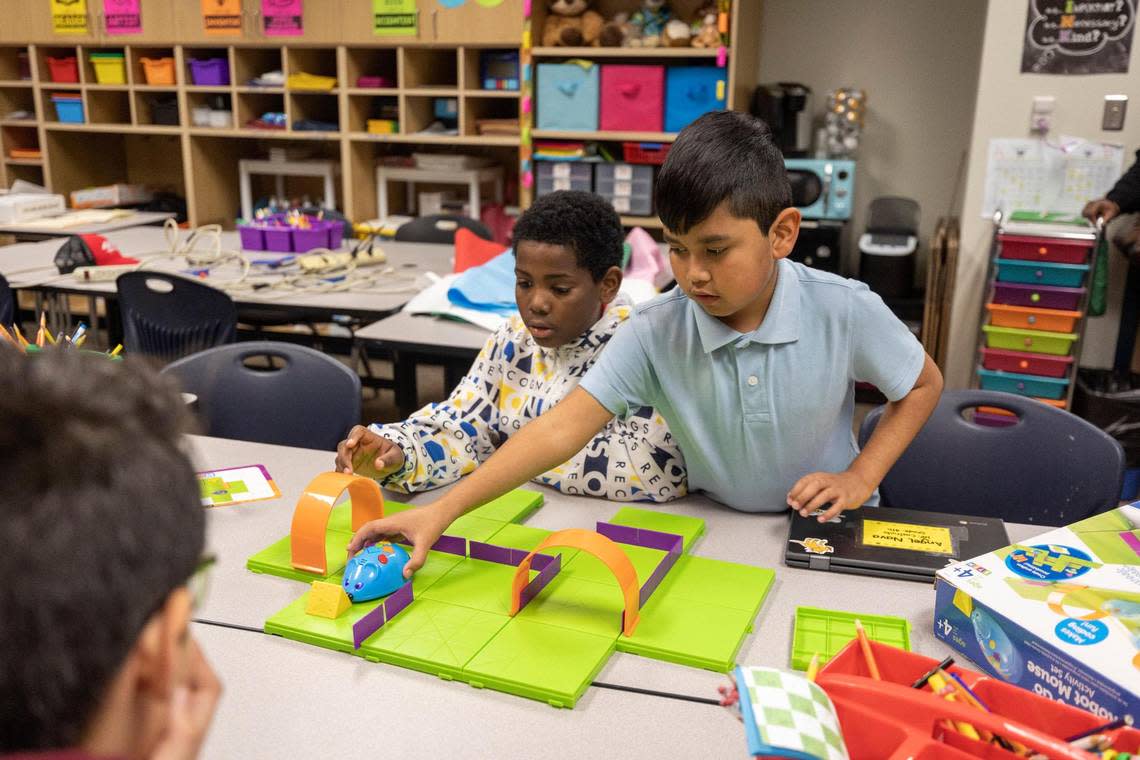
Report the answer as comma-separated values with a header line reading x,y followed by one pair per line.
x,y
563,175
633,98
567,96
645,153
63,69
110,68
1033,272
274,235
210,71
1043,297
1035,341
252,237
1054,250
1026,363
1054,320
158,70
1024,385
691,91
68,108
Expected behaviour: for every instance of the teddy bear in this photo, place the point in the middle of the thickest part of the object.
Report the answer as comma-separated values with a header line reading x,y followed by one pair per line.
x,y
571,23
705,31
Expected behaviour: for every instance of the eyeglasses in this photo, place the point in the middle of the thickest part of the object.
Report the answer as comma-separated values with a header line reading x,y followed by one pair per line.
x,y
199,582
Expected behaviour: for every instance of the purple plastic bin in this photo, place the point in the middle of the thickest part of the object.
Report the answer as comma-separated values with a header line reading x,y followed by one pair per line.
x,y
210,71
279,239
317,236
1041,296
336,234
252,238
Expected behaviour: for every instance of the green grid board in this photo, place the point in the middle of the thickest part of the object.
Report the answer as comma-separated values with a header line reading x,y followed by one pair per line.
x,y
689,528
825,632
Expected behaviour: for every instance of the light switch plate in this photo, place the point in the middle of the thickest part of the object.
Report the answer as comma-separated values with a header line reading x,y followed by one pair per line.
x,y
1114,108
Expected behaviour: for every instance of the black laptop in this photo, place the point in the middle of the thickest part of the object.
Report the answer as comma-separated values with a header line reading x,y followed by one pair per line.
x,y
892,543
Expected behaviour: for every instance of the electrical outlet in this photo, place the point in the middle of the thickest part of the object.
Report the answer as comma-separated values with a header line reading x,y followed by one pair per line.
x,y
1041,117
1114,108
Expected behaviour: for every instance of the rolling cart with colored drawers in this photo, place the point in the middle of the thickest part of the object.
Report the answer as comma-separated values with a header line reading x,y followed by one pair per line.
x,y
1034,311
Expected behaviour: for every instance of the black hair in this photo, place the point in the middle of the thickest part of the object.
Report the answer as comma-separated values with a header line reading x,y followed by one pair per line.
x,y
100,521
723,155
584,223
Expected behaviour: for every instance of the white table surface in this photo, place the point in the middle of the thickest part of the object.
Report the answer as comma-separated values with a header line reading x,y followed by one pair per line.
x,y
424,331
288,699
30,265
139,218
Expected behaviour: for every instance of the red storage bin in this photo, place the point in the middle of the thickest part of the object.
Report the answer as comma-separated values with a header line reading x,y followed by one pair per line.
x,y
64,69
633,99
645,153
1056,250
1023,362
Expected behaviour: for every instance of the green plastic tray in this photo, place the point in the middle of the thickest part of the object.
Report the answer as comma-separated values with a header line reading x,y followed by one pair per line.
x,y
825,632
691,528
1035,341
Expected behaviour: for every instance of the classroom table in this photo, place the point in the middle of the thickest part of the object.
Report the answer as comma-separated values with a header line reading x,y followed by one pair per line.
x,y
420,338
288,699
33,232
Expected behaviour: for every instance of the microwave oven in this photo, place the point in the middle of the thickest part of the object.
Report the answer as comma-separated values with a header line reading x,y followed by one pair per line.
x,y
822,188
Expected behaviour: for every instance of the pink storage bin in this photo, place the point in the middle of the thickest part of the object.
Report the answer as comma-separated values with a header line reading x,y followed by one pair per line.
x,y
633,98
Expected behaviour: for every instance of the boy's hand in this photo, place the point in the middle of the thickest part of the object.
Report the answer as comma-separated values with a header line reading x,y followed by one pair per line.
x,y
191,708
365,453
421,527
845,490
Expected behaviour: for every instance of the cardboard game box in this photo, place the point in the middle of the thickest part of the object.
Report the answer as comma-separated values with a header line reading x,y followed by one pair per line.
x,y
1058,614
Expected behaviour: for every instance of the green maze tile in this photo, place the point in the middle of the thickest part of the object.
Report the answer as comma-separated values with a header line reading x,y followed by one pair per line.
x,y
581,605
474,583
341,516
512,507
433,637
825,632
585,566
690,633
293,623
544,662
690,528
474,528
725,584
275,559
527,538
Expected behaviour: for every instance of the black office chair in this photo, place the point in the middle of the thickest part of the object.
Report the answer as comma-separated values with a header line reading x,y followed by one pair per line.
x,y
272,392
7,303
439,228
1050,467
168,317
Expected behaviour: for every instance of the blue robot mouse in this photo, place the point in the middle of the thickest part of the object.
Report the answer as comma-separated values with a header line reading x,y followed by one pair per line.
x,y
376,571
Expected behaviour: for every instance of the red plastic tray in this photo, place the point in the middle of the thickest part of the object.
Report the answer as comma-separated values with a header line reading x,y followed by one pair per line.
x,y
1056,250
1023,362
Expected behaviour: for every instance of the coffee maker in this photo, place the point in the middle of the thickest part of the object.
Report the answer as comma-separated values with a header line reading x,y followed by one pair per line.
x,y
786,108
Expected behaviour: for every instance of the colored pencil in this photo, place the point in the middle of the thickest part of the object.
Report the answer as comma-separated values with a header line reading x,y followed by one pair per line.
x,y
865,643
926,677
20,336
1110,726
117,350
8,336
40,332
813,667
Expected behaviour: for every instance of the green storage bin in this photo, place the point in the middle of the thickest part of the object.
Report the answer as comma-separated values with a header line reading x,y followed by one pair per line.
x,y
1034,341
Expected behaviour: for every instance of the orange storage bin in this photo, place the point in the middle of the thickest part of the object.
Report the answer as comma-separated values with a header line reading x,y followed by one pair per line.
x,y
1054,320
158,70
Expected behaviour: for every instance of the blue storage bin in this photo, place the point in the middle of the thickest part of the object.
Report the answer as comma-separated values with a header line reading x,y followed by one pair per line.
x,y
1025,385
68,109
1041,273
691,91
567,96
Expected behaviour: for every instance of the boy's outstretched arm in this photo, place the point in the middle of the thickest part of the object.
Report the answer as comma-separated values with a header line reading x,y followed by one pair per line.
x,y
541,444
899,425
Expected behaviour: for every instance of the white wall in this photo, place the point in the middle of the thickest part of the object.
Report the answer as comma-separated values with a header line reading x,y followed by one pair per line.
x,y
917,60
1004,98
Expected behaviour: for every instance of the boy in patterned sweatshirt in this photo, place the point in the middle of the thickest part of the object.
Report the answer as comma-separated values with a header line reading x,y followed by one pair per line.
x,y
568,249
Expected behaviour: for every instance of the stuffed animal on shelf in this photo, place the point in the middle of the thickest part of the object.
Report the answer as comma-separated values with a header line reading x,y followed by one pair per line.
x,y
571,23
677,34
616,31
705,32
648,24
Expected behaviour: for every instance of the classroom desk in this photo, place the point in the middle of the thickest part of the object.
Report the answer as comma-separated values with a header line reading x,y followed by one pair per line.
x,y
276,688
416,338
31,232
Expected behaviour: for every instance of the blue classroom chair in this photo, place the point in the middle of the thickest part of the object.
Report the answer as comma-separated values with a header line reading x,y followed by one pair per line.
x,y
1051,467
272,392
168,317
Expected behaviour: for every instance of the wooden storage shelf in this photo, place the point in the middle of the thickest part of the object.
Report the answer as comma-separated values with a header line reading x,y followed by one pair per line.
x,y
24,161
109,107
438,91
107,87
650,54
20,123
379,91
17,83
252,62
507,94
422,68
256,89
649,222
220,89
564,134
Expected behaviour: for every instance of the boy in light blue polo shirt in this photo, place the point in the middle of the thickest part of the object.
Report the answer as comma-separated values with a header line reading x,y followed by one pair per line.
x,y
752,359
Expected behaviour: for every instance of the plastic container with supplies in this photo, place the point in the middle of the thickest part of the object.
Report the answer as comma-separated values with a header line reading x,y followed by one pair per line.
x,y
1027,363
633,98
645,153
1055,320
210,71
567,96
158,70
563,175
110,68
63,69
1035,341
1023,385
1050,249
623,180
68,108
691,91
1032,272
1037,295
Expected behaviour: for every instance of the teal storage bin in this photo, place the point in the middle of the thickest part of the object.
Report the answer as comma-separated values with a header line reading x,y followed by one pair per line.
x,y
1025,385
68,108
691,91
1041,273
567,96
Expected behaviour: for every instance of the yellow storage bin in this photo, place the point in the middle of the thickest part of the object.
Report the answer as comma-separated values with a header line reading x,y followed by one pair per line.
x,y
110,68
